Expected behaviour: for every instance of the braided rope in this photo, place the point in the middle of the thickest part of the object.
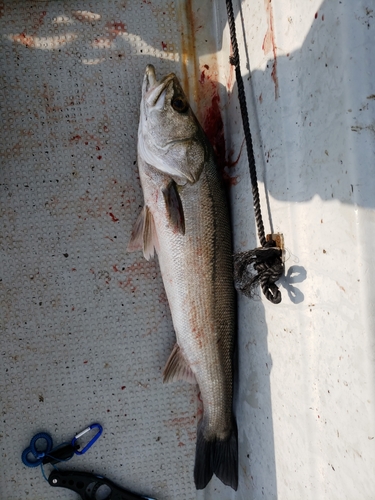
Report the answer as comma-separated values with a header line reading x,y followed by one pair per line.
x,y
267,261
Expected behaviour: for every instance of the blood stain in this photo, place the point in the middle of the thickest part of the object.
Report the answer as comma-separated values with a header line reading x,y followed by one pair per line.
x,y
115,219
115,29
27,41
214,128
269,44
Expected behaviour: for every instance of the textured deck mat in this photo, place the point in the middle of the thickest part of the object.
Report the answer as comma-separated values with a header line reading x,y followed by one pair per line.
x,y
86,326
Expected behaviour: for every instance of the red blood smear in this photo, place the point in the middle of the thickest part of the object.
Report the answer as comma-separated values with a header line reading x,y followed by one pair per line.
x,y
203,77
164,45
44,13
85,362
123,387
28,41
230,181
270,44
99,157
115,268
214,128
75,138
316,15
113,217
119,27
115,29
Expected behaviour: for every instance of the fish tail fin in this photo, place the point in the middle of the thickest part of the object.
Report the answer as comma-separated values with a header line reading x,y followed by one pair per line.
x,y
216,456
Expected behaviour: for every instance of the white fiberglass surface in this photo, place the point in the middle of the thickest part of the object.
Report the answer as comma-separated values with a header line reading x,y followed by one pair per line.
x,y
86,328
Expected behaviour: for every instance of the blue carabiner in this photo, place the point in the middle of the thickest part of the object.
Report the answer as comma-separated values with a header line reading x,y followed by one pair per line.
x,y
91,442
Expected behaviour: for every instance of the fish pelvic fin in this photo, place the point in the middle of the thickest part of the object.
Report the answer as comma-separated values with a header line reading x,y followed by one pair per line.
x,y
144,235
174,207
216,456
136,238
177,368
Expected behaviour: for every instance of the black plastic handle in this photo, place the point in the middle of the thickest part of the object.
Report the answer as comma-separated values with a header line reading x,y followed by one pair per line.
x,y
87,485
60,454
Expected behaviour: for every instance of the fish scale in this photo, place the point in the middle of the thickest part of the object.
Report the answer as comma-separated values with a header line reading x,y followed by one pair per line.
x,y
186,219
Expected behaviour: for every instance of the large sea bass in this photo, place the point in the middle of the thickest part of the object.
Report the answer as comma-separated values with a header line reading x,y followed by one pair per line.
x,y
185,219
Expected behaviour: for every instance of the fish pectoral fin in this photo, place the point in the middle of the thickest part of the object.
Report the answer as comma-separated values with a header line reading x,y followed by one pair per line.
x,y
174,207
144,235
177,368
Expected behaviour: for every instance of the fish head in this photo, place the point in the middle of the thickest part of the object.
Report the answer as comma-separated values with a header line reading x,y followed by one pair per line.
x,y
170,137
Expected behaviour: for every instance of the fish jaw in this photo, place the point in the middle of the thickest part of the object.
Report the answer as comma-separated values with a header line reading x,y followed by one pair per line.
x,y
170,140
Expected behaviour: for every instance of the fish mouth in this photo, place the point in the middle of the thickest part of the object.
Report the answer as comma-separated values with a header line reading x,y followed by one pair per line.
x,y
152,89
150,75
183,140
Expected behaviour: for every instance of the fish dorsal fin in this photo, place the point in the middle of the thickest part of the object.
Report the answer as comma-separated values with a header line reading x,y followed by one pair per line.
x,y
144,235
174,207
177,368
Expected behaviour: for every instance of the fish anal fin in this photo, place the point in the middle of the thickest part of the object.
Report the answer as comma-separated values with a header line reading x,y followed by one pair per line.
x,y
177,368
174,207
144,235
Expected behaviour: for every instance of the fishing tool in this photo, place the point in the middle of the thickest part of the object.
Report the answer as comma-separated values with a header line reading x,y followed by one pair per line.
x,y
41,450
91,487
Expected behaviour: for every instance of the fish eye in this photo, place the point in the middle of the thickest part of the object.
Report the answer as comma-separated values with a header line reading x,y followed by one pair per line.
x,y
179,104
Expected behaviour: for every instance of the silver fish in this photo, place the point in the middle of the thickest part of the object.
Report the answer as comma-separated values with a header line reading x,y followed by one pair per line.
x,y
185,219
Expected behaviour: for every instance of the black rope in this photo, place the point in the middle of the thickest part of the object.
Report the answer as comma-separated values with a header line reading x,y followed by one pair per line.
x,y
267,260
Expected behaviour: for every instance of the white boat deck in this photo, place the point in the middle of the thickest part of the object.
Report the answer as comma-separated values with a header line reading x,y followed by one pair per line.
x,y
86,328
